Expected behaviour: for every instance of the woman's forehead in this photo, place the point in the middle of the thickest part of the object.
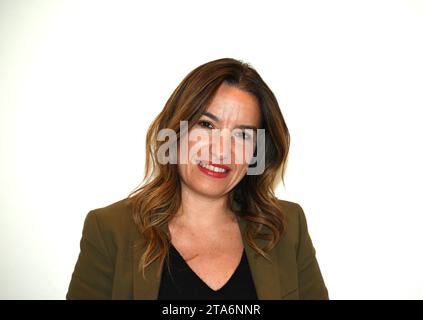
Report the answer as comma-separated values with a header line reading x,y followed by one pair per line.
x,y
233,105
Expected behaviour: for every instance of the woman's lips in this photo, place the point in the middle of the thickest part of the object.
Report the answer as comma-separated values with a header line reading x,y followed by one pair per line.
x,y
212,173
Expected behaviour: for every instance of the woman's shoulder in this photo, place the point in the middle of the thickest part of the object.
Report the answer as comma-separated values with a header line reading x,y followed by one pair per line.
x,y
115,219
292,210
115,212
296,223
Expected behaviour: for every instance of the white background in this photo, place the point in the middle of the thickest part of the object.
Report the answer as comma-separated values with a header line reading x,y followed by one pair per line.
x,y
80,81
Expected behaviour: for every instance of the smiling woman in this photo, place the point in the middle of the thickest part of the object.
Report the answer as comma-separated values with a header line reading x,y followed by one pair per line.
x,y
216,225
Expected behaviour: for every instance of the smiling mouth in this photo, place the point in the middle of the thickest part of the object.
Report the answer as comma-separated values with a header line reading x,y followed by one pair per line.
x,y
216,171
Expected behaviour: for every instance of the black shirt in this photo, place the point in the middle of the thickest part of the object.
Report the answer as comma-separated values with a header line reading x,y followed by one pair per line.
x,y
184,284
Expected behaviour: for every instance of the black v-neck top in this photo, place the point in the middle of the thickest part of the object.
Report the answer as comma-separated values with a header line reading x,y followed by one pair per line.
x,y
184,284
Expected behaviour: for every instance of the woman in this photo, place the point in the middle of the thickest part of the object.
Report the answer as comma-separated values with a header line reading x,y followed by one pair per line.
x,y
205,226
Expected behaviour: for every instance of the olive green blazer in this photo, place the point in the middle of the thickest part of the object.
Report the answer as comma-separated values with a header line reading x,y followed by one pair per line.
x,y
107,266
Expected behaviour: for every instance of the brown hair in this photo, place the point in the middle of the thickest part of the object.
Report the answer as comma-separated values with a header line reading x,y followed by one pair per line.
x,y
159,196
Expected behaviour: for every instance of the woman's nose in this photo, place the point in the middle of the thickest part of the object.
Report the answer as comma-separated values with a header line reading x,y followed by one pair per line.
x,y
221,146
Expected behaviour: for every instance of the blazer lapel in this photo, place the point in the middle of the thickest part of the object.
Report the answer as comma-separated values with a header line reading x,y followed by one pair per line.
x,y
265,273
148,288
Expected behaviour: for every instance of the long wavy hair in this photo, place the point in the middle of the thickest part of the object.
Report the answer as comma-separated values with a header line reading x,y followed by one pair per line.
x,y
158,197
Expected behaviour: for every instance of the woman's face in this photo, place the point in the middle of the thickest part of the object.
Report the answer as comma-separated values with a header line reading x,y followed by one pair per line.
x,y
218,159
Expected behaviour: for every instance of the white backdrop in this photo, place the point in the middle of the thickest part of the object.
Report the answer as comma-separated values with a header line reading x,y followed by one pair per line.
x,y
80,82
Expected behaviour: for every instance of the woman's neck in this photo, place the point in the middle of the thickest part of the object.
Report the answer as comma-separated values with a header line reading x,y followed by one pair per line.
x,y
200,211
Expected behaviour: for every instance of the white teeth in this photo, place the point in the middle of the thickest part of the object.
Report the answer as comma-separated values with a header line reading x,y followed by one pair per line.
x,y
212,168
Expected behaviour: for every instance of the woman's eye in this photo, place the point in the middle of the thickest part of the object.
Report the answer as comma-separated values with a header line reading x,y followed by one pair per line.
x,y
205,124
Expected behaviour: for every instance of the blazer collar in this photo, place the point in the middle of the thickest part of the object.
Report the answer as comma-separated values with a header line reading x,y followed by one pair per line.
x,y
266,274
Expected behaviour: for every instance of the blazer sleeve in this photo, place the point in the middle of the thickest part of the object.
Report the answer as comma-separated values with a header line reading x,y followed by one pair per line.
x,y
311,284
93,274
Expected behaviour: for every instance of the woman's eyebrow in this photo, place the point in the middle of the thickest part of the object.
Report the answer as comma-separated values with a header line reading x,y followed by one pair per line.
x,y
211,116
215,118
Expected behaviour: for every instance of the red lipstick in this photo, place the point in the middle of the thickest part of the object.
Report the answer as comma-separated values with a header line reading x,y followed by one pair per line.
x,y
212,173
